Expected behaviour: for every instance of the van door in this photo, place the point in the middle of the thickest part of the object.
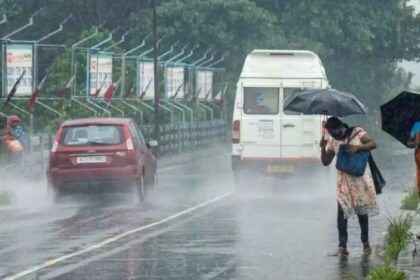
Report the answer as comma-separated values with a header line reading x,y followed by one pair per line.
x,y
300,133
260,123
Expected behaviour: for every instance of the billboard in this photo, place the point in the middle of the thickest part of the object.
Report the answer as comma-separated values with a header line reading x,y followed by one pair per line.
x,y
19,58
204,84
209,85
175,87
146,86
100,73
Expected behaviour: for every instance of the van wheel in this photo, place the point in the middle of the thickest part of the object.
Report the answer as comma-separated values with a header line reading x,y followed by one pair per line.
x,y
141,189
243,182
239,180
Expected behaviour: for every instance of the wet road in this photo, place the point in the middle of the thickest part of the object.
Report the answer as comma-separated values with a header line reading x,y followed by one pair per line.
x,y
196,226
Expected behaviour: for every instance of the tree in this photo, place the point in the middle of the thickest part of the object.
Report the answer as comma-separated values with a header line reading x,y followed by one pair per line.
x,y
360,42
233,26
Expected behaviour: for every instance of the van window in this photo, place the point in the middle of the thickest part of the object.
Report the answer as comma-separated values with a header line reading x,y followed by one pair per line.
x,y
262,101
287,92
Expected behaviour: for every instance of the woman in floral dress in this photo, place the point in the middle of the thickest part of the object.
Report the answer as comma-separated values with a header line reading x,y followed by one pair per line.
x,y
355,195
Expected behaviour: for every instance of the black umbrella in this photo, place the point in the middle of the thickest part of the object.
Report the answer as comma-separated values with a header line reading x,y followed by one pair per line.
x,y
327,101
399,115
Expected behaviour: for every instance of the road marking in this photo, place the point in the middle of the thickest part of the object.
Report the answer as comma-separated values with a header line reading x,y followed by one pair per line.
x,y
110,240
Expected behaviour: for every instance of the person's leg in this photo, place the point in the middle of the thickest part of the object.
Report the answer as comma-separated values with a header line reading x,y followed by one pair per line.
x,y
417,158
418,169
364,227
364,236
342,231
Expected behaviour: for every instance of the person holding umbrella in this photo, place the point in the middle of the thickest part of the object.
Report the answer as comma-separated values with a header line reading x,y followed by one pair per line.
x,y
355,195
401,119
414,142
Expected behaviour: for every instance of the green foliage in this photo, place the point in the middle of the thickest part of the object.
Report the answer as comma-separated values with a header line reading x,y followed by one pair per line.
x,y
410,200
386,272
360,42
397,236
233,26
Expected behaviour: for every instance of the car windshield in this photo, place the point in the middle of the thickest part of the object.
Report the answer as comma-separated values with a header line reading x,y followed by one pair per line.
x,y
92,135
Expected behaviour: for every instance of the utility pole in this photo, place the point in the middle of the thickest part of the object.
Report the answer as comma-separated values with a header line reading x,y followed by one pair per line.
x,y
155,68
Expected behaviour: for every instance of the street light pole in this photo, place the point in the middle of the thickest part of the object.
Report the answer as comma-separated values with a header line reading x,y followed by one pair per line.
x,y
155,68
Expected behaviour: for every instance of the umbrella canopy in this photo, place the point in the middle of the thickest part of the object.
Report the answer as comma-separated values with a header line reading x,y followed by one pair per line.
x,y
399,115
327,101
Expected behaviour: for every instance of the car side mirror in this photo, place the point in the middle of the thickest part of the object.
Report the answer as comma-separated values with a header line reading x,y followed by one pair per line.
x,y
152,143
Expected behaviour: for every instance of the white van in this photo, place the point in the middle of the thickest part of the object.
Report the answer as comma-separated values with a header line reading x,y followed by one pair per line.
x,y
264,137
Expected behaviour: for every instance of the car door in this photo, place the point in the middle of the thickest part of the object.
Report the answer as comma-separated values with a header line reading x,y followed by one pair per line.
x,y
137,146
148,157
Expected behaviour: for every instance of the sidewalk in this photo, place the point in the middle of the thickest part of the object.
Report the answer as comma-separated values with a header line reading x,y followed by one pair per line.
x,y
409,259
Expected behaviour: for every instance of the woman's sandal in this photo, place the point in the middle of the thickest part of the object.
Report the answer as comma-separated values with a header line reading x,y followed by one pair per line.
x,y
342,252
367,250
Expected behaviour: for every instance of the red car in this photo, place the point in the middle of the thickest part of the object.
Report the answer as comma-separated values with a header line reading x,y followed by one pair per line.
x,y
101,152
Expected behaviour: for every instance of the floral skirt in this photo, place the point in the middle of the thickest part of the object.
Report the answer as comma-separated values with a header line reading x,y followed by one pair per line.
x,y
357,195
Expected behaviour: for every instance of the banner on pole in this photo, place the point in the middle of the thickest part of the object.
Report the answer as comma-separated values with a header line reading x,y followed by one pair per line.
x,y
19,58
175,82
100,73
204,83
209,85
146,81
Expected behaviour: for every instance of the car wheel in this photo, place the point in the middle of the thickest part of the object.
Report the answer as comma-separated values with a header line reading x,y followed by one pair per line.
x,y
54,192
155,182
141,189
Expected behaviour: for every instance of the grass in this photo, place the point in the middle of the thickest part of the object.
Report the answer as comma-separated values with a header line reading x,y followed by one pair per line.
x,y
396,239
397,236
386,272
382,272
4,198
410,200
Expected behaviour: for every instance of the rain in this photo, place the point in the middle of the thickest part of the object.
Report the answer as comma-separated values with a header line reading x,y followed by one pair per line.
x,y
209,139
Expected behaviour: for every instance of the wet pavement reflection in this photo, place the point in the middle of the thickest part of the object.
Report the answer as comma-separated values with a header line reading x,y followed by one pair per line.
x,y
276,229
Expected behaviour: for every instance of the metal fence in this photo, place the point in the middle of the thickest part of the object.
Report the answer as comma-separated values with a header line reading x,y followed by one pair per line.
x,y
175,138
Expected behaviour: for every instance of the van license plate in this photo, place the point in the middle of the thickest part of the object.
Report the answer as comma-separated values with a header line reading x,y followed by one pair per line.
x,y
280,169
97,159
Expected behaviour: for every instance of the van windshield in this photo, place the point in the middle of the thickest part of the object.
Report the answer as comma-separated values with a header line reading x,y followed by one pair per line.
x,y
262,101
92,135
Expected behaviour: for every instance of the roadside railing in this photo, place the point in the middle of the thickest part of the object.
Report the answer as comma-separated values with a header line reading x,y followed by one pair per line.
x,y
175,138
